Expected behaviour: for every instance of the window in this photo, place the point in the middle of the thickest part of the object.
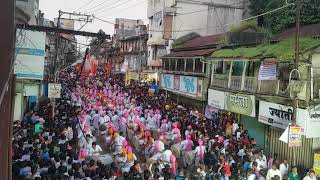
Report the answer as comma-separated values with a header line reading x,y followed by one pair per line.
x,y
166,64
218,67
252,69
198,66
180,65
189,67
237,68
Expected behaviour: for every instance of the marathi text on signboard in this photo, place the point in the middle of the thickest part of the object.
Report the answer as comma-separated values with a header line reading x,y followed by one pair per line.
x,y
189,84
275,114
239,103
268,71
167,81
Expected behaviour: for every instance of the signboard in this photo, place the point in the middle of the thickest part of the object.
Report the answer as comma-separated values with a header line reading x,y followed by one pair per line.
x,y
311,121
30,53
167,81
275,114
295,133
54,90
189,84
268,71
240,103
216,98
31,90
316,164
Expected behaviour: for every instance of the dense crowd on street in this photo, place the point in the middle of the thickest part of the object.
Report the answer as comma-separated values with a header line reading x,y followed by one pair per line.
x,y
101,128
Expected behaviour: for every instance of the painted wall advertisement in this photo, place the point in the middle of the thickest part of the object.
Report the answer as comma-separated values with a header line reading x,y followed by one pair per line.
x,y
275,114
189,84
30,53
316,164
240,103
167,81
216,98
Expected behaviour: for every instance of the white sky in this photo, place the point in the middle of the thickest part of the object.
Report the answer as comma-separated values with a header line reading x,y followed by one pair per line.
x,y
103,9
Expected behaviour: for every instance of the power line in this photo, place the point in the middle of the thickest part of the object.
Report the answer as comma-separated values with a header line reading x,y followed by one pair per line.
x,y
86,4
100,4
111,7
221,26
134,5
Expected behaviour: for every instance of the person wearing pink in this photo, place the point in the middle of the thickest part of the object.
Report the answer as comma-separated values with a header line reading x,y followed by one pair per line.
x,y
158,146
199,152
186,148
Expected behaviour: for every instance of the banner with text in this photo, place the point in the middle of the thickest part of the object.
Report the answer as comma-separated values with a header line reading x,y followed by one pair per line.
x,y
275,114
240,103
30,53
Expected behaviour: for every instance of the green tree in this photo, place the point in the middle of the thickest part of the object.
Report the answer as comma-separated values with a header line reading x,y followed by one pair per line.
x,y
285,18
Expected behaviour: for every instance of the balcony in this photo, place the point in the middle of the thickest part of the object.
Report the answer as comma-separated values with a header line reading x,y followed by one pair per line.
x,y
250,84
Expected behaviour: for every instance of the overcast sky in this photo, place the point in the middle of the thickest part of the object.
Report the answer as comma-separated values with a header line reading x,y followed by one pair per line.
x,y
104,9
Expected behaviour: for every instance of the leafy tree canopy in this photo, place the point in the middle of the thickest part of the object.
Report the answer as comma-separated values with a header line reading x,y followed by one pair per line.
x,y
285,18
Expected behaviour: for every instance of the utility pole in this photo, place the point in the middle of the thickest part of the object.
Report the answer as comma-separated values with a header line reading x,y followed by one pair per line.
x,y
296,66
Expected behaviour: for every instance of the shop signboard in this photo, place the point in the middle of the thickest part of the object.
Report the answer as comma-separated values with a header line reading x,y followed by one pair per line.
x,y
295,133
311,121
240,103
275,114
54,90
189,85
167,81
316,164
30,53
216,98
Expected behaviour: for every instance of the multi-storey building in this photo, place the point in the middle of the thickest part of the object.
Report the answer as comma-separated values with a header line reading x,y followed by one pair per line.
x,y
171,19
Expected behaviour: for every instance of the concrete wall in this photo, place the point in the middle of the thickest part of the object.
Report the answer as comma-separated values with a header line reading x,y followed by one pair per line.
x,y
31,7
126,27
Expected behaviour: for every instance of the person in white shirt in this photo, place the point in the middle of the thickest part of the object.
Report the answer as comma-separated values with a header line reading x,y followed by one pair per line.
x,y
166,156
115,120
311,175
261,163
235,127
158,146
186,148
95,150
199,152
284,168
274,171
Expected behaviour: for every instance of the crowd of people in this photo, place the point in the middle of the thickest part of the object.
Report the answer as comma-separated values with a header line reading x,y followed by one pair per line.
x,y
102,129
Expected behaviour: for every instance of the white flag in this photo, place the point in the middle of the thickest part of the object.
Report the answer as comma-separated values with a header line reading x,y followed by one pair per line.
x,y
285,136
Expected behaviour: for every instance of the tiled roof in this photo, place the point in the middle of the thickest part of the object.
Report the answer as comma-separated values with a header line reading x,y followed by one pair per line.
x,y
191,53
312,30
202,41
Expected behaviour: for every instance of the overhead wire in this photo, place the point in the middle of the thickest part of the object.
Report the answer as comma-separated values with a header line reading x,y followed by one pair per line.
x,y
97,7
134,5
86,4
118,5
221,26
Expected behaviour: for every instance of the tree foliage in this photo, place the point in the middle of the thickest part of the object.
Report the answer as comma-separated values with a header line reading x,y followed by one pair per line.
x,y
285,18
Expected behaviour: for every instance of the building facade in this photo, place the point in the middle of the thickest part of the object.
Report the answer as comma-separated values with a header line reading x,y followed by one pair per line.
x,y
30,7
172,19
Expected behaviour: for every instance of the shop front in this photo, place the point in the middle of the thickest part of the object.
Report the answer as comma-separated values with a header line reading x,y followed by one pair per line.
x,y
245,108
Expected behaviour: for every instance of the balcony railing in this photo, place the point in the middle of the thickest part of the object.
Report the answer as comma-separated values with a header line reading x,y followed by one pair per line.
x,y
220,81
250,84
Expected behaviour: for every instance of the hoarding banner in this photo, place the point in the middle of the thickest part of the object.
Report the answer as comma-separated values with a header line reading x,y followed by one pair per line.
x,y
240,103
216,98
295,133
211,112
189,85
54,90
316,164
167,81
30,54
